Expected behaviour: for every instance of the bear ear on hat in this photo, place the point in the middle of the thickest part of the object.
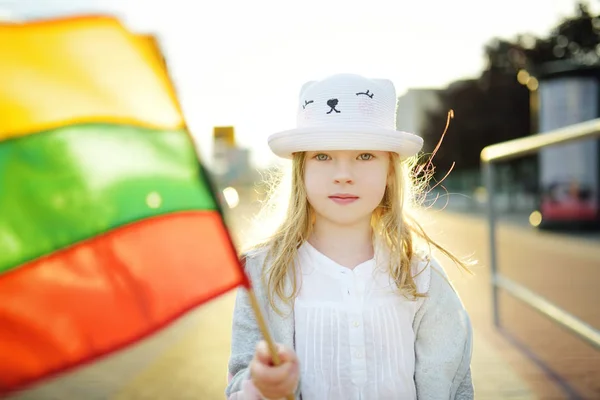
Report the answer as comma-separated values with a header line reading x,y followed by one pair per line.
x,y
306,86
386,84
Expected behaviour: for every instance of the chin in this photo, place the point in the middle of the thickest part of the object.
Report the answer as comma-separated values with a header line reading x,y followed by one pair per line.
x,y
348,218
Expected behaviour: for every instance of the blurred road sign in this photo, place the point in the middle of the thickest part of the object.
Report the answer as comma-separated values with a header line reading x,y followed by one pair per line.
x,y
224,134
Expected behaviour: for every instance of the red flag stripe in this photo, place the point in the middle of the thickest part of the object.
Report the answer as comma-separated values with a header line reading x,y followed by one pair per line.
x,y
100,295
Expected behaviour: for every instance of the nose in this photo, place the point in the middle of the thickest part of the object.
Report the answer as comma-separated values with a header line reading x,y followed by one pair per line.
x,y
332,102
343,173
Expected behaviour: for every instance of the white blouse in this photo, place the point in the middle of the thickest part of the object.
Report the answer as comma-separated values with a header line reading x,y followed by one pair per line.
x,y
353,332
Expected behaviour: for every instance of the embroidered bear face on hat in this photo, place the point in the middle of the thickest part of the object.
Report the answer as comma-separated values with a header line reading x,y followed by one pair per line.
x,y
346,112
345,99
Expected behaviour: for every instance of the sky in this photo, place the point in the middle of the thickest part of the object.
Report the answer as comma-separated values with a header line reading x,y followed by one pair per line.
x,y
242,62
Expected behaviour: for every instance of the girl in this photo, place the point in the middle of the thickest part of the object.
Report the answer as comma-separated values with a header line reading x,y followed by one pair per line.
x,y
359,308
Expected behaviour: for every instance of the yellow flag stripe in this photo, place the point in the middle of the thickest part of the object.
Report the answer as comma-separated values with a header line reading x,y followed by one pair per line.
x,y
80,70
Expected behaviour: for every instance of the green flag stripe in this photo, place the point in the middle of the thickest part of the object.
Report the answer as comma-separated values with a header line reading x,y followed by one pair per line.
x,y
69,184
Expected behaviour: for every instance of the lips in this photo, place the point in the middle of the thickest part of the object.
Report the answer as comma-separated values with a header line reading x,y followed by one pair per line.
x,y
343,198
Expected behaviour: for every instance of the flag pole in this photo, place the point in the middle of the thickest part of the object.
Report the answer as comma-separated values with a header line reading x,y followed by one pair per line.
x,y
262,325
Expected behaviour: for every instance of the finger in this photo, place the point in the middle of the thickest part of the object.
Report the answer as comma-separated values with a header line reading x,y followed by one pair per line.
x,y
288,385
263,353
270,375
283,388
287,355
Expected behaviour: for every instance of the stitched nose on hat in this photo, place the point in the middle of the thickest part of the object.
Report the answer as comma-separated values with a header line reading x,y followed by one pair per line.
x,y
332,103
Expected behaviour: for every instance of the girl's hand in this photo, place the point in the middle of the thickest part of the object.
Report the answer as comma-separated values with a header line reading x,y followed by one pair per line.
x,y
274,382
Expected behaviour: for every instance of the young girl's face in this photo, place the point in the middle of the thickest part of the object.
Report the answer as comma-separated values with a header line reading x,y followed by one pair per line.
x,y
345,187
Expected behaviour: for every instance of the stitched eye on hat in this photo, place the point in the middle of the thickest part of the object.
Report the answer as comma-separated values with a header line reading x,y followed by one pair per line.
x,y
307,103
366,94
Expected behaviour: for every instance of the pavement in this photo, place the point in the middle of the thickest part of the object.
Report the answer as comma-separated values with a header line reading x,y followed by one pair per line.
x,y
529,357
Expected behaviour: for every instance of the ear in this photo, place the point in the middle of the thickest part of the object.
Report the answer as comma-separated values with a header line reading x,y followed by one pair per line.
x,y
387,85
305,87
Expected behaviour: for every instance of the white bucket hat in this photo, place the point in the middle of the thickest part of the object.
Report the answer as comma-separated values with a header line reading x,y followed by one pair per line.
x,y
346,112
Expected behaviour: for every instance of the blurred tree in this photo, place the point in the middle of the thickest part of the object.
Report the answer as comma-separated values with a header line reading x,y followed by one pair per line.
x,y
496,106
487,110
575,40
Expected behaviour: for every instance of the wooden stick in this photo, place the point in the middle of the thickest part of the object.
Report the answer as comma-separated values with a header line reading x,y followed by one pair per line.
x,y
265,332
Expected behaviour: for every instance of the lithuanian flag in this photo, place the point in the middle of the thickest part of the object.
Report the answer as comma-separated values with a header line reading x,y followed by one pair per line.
x,y
108,230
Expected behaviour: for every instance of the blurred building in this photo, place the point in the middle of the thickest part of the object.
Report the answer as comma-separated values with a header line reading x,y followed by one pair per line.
x,y
413,107
232,164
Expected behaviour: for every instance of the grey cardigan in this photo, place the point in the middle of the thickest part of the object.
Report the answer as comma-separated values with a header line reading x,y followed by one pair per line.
x,y
443,344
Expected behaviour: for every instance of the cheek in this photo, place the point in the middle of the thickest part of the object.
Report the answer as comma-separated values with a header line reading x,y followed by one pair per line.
x,y
314,182
375,185
377,189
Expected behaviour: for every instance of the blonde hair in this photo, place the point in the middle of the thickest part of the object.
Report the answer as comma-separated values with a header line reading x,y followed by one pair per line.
x,y
393,220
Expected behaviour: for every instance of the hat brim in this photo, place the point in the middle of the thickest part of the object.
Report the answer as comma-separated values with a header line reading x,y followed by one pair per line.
x,y
285,144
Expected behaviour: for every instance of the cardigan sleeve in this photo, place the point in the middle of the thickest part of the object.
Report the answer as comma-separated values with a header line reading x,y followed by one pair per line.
x,y
443,344
245,334
465,388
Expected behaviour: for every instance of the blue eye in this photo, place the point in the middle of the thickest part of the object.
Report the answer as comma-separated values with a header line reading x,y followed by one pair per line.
x,y
321,157
366,156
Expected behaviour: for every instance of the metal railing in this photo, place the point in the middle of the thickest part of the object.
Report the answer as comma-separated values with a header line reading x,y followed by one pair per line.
x,y
514,149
